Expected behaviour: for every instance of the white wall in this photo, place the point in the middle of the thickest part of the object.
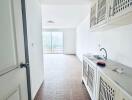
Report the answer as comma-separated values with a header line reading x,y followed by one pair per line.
x,y
69,39
34,25
117,42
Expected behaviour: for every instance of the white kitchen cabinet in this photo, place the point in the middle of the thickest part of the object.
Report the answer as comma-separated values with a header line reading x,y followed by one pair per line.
x,y
85,68
124,96
93,15
89,77
106,88
99,14
120,7
110,14
102,11
103,83
121,12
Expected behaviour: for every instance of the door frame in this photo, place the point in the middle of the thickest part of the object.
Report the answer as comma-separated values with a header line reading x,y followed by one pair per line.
x,y
27,66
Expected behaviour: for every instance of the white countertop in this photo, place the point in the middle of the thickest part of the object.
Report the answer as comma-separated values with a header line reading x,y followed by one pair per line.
x,y
123,80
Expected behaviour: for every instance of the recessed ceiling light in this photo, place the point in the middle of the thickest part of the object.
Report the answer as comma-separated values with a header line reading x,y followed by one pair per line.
x,y
51,21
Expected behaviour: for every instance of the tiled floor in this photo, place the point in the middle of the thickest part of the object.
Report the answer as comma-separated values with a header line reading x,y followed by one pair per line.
x,y
62,79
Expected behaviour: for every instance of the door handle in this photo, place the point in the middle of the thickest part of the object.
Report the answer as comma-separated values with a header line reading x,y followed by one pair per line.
x,y
26,66
22,65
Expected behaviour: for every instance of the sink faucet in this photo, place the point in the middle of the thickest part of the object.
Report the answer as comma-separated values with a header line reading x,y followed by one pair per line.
x,y
105,53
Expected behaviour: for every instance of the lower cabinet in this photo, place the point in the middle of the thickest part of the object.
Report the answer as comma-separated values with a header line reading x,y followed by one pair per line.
x,y
99,85
89,78
106,89
124,96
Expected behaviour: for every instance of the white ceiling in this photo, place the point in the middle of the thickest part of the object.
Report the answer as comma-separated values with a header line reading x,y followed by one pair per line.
x,y
64,2
63,16
65,13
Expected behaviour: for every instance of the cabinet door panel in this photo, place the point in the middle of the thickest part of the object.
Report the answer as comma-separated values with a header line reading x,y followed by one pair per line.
x,y
93,17
106,90
124,96
119,6
101,15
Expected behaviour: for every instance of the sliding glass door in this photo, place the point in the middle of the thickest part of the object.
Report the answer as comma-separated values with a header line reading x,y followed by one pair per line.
x,y
53,42
47,42
57,42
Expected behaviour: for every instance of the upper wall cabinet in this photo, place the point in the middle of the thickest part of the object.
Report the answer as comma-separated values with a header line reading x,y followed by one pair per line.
x,y
121,12
110,13
101,11
93,15
120,7
99,14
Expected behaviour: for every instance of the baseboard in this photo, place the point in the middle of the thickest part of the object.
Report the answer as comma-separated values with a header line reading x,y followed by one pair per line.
x,y
39,90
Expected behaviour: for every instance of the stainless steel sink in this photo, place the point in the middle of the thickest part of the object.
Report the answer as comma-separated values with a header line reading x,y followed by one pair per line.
x,y
98,57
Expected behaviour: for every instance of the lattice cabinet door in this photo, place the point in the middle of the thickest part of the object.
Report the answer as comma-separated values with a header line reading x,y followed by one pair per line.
x,y
121,6
107,89
91,77
93,15
91,80
102,10
85,70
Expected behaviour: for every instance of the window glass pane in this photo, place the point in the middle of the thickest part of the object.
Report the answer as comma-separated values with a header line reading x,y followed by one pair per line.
x,y
53,42
57,42
47,42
